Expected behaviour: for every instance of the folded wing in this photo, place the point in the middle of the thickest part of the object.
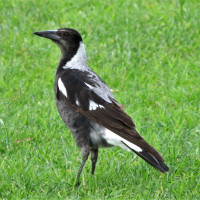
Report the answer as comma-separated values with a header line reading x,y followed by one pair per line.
x,y
89,95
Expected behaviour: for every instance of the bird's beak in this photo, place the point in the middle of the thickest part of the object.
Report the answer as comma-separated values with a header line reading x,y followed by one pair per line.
x,y
48,34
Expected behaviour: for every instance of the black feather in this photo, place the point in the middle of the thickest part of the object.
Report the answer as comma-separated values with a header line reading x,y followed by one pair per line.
x,y
155,162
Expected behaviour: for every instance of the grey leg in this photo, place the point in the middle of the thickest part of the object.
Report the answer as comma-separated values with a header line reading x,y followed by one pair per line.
x,y
85,153
94,156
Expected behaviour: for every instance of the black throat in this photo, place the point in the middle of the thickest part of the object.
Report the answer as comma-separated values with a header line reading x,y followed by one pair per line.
x,y
66,57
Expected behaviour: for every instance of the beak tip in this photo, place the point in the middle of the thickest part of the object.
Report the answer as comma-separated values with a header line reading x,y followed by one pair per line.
x,y
47,34
35,33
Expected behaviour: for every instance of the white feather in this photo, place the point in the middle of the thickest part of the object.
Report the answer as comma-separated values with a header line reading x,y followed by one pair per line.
x,y
91,87
79,60
97,131
116,140
77,102
62,87
93,105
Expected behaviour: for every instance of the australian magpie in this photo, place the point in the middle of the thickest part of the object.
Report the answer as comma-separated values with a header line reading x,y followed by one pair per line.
x,y
88,107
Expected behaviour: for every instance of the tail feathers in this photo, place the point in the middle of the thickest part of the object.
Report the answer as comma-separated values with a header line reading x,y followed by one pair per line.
x,y
156,163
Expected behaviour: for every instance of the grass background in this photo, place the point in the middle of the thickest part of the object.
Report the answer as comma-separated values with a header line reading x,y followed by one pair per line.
x,y
148,50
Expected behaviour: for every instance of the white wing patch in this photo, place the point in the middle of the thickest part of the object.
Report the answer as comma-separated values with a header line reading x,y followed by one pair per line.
x,y
116,140
62,87
77,102
93,105
91,87
101,91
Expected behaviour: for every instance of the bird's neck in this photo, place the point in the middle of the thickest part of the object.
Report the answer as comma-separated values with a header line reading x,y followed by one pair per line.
x,y
74,59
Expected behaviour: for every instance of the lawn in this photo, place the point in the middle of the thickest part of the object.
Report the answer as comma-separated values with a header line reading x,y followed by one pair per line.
x,y
148,52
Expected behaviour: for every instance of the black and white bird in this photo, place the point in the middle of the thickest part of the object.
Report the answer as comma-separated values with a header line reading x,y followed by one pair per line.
x,y
88,107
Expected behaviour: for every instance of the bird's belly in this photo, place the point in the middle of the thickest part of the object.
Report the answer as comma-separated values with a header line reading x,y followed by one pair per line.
x,y
78,124
84,131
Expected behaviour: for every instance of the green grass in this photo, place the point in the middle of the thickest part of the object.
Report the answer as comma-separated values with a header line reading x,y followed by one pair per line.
x,y
148,50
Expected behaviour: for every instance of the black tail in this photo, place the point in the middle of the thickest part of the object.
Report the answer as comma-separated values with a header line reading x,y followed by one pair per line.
x,y
156,163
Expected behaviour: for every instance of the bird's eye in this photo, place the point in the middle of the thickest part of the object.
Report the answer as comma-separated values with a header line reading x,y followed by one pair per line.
x,y
66,34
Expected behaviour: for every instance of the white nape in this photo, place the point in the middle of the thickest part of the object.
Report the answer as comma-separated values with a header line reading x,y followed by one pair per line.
x,y
62,87
79,60
116,140
93,105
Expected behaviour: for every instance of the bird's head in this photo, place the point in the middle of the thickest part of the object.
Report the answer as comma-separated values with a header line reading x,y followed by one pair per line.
x,y
66,38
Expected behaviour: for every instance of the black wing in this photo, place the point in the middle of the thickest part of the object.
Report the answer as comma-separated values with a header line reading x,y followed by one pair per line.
x,y
89,95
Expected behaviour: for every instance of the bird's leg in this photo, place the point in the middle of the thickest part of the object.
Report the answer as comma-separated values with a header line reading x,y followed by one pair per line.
x,y
85,153
94,156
